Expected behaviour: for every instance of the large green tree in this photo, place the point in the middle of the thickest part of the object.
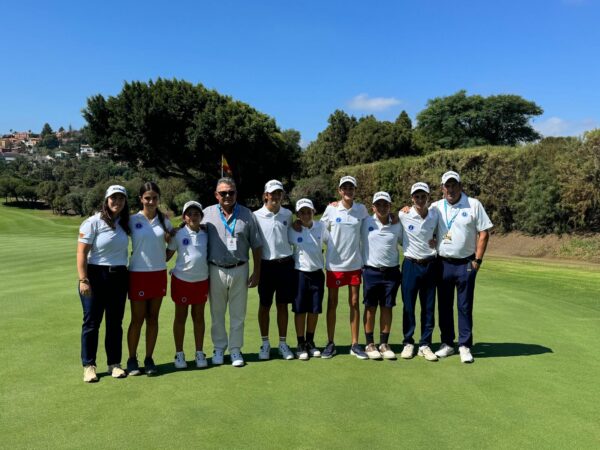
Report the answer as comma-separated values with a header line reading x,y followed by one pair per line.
x,y
181,130
48,137
462,120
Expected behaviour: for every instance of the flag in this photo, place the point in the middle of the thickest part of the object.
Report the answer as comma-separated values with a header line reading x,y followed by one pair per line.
x,y
225,169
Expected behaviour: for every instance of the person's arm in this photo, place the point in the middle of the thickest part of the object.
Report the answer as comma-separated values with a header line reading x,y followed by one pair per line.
x,y
170,254
482,242
256,258
84,283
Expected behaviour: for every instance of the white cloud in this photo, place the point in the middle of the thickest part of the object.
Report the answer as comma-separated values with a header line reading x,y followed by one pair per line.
x,y
555,126
363,102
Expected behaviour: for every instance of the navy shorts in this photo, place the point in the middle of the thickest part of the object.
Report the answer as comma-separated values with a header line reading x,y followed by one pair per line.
x,y
381,286
311,287
277,278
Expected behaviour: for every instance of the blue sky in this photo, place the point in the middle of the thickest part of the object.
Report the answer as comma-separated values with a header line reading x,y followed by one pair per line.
x,y
299,61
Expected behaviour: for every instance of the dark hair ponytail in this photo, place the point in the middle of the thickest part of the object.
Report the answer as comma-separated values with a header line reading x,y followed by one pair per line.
x,y
152,186
106,215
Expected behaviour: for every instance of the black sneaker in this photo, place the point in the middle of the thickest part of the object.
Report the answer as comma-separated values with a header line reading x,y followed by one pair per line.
x,y
329,351
357,351
149,366
312,349
133,368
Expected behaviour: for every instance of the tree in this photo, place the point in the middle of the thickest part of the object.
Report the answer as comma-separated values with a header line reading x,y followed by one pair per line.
x,y
48,138
465,121
181,130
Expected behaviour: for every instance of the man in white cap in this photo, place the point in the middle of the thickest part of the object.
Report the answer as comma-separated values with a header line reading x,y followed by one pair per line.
x,y
462,241
277,276
420,270
381,273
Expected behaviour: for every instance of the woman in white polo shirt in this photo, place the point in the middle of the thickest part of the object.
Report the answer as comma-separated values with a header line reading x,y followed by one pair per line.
x,y
189,281
147,275
102,269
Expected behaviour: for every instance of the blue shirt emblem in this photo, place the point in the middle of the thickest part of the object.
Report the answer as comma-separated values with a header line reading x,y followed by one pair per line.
x,y
371,228
411,227
338,219
185,241
464,214
299,239
285,222
138,225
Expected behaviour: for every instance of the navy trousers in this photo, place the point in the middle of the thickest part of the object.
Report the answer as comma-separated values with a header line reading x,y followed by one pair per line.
x,y
459,277
109,294
419,279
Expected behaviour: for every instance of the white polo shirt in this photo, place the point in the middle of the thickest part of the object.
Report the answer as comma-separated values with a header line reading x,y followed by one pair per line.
x,y
308,246
343,249
148,252
191,264
274,231
380,242
467,217
109,247
418,232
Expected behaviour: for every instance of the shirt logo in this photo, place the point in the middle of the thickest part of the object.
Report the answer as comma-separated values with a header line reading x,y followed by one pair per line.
x,y
285,222
338,219
464,214
141,293
299,239
186,241
138,225
183,299
411,227
371,228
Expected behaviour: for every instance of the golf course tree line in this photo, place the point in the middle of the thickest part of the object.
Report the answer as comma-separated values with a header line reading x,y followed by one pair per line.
x,y
176,132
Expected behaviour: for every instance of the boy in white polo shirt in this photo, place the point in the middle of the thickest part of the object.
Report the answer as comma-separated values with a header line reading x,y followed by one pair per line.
x,y
420,270
308,262
381,273
344,261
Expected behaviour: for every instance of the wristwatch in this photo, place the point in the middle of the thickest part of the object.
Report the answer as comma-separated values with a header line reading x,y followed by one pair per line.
x,y
478,261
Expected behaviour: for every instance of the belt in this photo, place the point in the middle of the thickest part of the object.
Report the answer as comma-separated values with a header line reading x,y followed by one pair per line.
x,y
458,260
110,269
279,261
229,266
382,269
421,262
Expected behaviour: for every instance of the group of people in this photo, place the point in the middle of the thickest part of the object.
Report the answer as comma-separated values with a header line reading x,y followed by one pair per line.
x,y
443,246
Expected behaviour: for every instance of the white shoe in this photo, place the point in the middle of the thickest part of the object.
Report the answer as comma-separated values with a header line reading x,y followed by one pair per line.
x,y
465,354
180,360
444,351
386,351
302,353
116,371
285,352
265,351
89,374
407,351
426,353
217,357
313,351
201,361
372,352
237,360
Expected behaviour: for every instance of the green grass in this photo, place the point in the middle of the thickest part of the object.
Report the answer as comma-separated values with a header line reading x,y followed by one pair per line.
x,y
534,382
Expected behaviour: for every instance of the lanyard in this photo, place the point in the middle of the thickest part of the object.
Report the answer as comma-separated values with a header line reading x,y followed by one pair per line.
x,y
231,228
451,221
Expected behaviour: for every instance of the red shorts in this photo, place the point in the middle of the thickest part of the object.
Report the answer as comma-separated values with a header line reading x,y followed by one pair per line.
x,y
146,285
186,293
339,279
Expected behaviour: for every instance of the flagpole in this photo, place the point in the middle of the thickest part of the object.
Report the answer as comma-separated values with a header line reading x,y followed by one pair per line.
x,y
221,166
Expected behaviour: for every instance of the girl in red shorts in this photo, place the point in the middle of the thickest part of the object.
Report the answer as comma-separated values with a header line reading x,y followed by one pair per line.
x,y
189,281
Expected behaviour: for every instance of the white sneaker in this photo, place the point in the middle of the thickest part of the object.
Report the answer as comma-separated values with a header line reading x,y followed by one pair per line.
x,y
386,351
180,360
372,351
217,357
201,361
313,351
465,354
285,352
116,371
444,351
265,351
407,351
302,353
426,353
237,360
89,374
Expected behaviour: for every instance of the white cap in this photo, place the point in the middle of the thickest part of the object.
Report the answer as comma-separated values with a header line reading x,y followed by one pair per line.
x,y
420,186
273,185
115,189
304,203
348,179
382,196
190,204
449,175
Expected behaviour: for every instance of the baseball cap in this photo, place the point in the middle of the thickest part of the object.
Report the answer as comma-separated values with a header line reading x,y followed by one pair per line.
x,y
420,186
273,185
382,196
304,203
449,175
348,179
190,204
115,189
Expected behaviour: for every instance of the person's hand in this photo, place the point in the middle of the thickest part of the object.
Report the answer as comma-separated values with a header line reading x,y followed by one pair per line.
x,y
85,288
297,225
253,280
433,243
405,209
475,265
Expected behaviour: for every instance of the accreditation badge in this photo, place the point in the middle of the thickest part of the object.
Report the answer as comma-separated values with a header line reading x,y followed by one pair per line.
x,y
447,238
231,244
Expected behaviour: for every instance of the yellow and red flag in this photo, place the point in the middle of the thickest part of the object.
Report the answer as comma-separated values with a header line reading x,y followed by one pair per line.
x,y
225,169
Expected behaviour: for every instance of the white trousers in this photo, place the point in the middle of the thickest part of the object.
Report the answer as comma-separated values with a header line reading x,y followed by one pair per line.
x,y
228,286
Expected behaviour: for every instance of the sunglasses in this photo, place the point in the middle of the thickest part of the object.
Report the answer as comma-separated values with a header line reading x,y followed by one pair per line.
x,y
226,193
